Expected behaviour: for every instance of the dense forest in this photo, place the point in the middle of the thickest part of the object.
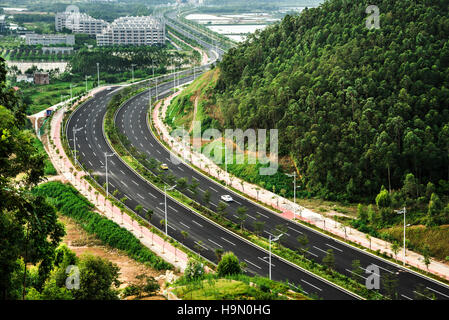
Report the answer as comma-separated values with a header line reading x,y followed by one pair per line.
x,y
356,108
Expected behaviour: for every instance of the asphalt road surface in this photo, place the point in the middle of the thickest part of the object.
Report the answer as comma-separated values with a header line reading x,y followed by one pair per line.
x,y
203,236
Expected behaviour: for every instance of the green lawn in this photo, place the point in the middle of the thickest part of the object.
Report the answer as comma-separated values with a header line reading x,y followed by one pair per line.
x,y
40,97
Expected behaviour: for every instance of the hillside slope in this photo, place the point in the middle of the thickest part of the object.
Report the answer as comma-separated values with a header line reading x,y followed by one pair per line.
x,y
355,108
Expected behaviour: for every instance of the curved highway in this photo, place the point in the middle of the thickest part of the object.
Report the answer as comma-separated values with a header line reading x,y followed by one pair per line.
x,y
203,234
131,120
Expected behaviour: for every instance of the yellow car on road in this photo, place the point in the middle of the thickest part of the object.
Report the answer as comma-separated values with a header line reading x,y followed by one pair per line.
x,y
164,166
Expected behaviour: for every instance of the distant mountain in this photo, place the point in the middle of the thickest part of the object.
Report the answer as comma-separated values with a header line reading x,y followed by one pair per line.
x,y
356,108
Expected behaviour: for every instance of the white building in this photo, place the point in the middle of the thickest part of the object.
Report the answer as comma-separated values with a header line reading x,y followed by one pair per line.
x,y
133,31
49,39
79,23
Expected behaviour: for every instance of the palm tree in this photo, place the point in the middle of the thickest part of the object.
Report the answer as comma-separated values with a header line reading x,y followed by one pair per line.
x,y
257,192
395,248
368,237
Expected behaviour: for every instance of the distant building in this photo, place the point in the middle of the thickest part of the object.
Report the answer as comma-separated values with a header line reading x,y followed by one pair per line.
x,y
79,23
56,50
49,39
25,78
4,26
133,31
41,78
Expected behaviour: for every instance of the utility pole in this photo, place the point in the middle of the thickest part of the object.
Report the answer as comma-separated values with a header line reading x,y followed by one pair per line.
x,y
98,73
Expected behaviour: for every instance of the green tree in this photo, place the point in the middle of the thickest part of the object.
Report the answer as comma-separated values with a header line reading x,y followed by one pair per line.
x,y
228,265
258,226
362,215
206,197
329,260
434,209
182,184
242,216
357,271
219,253
427,258
303,242
221,208
98,279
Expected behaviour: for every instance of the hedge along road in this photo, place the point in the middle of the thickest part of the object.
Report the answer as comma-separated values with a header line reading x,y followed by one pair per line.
x,y
91,147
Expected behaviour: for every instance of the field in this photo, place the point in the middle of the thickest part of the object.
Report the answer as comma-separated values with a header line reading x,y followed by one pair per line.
x,y
42,97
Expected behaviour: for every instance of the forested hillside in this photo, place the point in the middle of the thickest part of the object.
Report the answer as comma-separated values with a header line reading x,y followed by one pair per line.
x,y
355,108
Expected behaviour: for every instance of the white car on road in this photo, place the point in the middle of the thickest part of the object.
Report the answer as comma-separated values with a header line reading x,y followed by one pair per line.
x,y
226,198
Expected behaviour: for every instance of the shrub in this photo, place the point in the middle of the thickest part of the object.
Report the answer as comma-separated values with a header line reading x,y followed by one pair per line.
x,y
229,265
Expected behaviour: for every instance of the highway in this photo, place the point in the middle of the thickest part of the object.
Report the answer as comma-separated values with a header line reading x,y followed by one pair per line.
x,y
131,120
92,145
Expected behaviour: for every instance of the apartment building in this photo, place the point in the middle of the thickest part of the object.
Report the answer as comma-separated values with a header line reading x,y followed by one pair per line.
x,y
79,23
49,39
144,30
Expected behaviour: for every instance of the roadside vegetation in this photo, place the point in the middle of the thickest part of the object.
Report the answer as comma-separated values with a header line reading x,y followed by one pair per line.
x,y
230,283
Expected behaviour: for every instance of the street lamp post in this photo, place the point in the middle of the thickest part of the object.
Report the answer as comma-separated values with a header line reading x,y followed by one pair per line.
x,y
269,257
165,203
226,163
106,167
132,70
403,211
98,73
